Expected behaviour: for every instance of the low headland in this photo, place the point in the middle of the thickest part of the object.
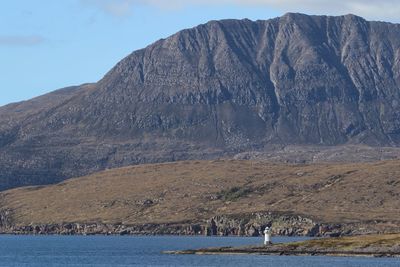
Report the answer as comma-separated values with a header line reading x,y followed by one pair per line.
x,y
386,245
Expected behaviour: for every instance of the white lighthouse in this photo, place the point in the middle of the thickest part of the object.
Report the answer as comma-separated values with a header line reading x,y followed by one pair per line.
x,y
267,236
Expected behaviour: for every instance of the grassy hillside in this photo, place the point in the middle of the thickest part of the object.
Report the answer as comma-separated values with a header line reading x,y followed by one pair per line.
x,y
193,190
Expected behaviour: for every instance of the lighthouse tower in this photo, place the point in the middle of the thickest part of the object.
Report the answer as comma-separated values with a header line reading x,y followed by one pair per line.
x,y
267,236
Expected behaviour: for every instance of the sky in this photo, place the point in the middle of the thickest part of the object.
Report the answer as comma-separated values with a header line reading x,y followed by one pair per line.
x,y
46,44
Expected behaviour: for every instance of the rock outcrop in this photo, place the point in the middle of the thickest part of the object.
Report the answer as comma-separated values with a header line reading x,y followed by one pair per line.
x,y
5,219
218,89
221,225
254,225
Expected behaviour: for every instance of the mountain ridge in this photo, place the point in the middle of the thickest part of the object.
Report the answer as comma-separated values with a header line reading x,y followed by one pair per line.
x,y
218,89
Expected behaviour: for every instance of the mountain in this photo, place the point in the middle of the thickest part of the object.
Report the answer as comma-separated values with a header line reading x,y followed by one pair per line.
x,y
215,90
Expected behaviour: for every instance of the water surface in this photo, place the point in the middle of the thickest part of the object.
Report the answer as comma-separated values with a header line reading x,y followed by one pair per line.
x,y
146,251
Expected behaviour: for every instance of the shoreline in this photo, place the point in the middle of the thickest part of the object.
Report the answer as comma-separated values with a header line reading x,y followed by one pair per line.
x,y
285,253
386,245
220,225
188,229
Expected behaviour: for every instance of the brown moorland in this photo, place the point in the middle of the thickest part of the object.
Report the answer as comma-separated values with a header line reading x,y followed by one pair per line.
x,y
198,190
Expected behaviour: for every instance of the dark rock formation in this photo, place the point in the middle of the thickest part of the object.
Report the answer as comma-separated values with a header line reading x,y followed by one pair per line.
x,y
222,225
254,225
218,89
291,225
5,219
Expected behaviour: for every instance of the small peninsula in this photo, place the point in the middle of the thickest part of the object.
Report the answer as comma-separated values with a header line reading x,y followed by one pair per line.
x,y
387,245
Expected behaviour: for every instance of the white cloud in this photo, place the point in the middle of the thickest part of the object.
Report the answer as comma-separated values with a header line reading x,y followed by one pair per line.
x,y
16,40
371,9
117,8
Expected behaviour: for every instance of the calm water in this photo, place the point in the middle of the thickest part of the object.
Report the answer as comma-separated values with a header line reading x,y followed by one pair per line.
x,y
146,251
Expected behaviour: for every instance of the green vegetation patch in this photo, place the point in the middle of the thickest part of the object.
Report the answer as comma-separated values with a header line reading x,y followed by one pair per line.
x,y
234,193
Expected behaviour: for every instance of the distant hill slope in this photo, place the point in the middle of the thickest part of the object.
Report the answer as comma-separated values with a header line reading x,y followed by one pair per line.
x,y
194,191
217,89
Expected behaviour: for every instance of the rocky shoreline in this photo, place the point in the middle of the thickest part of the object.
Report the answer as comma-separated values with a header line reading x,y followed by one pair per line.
x,y
222,225
285,252
357,246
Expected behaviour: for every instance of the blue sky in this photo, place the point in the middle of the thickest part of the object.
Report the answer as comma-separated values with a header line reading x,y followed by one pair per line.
x,y
48,44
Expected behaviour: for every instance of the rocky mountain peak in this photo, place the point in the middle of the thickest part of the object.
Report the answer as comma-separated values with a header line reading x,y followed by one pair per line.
x,y
217,89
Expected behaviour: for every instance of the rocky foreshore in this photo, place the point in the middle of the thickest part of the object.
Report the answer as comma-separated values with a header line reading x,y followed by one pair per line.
x,y
387,245
223,225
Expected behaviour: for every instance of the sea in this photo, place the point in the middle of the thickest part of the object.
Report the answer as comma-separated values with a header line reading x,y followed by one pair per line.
x,y
147,251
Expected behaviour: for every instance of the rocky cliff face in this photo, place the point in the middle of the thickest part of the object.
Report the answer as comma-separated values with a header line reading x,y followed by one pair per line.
x,y
221,225
217,89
